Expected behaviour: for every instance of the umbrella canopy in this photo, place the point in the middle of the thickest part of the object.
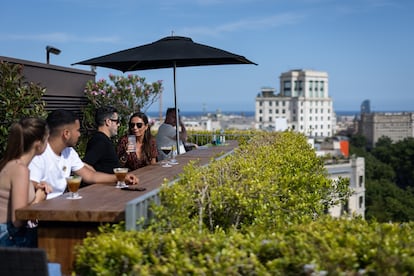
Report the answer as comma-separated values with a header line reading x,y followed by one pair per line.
x,y
168,52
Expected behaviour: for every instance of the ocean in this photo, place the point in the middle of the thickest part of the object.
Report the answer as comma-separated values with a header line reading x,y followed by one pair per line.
x,y
192,114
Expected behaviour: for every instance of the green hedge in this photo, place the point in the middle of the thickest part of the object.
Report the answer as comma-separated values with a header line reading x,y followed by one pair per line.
x,y
335,246
260,211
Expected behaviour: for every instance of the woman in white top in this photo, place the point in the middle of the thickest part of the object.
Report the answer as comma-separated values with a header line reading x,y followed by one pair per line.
x,y
27,138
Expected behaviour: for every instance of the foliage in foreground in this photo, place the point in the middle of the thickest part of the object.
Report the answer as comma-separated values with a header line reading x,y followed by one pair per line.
x,y
275,179
243,214
336,246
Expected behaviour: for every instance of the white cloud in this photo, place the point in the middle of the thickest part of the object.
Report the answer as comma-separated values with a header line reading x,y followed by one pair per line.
x,y
248,24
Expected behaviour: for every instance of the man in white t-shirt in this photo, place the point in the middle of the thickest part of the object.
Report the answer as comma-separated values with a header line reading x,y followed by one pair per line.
x,y
60,159
166,135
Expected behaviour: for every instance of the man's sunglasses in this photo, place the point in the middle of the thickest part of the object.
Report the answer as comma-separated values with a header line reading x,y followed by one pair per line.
x,y
138,125
115,120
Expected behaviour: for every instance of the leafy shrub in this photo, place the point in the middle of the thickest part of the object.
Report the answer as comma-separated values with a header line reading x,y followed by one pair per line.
x,y
244,214
335,246
18,98
274,179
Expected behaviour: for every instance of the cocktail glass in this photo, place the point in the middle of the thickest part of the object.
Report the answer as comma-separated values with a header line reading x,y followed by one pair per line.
x,y
73,183
167,151
120,174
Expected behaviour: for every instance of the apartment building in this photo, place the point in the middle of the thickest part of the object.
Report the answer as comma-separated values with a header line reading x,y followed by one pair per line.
x,y
354,169
395,125
302,105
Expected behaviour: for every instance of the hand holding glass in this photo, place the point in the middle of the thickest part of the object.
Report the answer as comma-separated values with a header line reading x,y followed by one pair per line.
x,y
73,183
120,174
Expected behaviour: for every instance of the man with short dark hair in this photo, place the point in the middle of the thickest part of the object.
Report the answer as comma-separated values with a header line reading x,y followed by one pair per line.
x,y
60,159
100,152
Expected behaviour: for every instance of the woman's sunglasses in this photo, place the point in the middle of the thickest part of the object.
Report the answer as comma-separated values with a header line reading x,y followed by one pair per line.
x,y
138,125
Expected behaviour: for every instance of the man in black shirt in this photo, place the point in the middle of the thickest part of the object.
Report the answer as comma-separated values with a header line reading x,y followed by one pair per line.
x,y
100,151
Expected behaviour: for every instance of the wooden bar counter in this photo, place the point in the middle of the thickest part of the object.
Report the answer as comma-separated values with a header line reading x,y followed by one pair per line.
x,y
64,223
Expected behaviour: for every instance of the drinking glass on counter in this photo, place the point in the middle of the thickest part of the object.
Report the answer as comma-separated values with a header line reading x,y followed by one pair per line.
x,y
167,150
120,174
73,183
173,161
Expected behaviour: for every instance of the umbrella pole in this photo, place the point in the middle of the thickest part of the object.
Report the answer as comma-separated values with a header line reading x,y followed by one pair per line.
x,y
177,131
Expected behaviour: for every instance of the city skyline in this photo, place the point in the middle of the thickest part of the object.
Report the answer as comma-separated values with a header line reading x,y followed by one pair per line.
x,y
365,46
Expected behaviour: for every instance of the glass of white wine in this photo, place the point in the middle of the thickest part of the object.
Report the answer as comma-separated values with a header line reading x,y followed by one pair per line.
x,y
173,161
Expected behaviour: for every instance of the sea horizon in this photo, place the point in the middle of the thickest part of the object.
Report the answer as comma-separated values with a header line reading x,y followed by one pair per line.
x,y
251,113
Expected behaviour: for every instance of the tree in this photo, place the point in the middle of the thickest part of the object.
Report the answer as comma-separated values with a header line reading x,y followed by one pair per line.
x,y
18,98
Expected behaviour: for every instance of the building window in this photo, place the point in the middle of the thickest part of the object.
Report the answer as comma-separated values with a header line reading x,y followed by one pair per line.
x,y
283,103
361,202
260,103
270,111
321,86
283,111
361,180
287,86
301,118
310,110
270,119
277,103
260,119
270,103
310,85
260,111
277,111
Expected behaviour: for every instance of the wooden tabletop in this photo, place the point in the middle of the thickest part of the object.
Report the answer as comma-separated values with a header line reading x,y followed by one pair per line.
x,y
105,203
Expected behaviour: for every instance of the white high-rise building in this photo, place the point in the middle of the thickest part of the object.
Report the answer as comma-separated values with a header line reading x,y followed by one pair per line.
x,y
303,104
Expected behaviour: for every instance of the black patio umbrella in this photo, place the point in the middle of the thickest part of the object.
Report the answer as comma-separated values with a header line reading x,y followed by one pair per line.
x,y
168,52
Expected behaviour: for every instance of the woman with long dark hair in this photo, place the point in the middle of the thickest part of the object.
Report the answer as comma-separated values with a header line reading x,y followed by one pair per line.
x,y
145,149
27,138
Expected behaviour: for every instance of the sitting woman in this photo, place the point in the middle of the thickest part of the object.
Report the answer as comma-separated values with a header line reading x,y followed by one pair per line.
x,y
27,138
146,148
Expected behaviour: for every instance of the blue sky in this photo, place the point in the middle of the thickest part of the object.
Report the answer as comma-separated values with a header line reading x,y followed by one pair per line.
x,y
365,46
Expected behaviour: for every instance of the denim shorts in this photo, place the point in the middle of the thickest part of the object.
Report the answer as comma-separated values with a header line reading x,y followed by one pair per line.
x,y
17,236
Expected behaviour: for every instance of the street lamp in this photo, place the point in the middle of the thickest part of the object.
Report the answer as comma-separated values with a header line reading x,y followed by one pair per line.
x,y
53,50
